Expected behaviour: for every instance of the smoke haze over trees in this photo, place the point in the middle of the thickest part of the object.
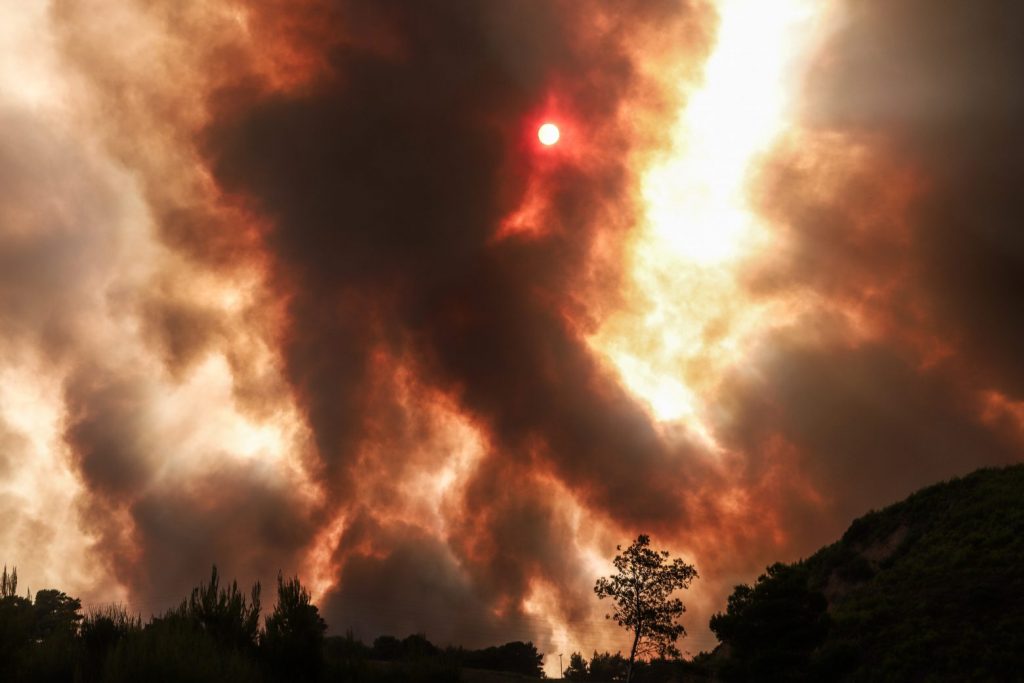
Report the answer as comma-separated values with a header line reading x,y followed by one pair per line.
x,y
292,285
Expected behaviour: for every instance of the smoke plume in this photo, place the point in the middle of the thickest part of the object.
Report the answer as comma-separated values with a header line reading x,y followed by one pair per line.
x,y
291,285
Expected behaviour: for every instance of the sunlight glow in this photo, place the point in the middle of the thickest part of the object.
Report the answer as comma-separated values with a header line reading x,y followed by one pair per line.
x,y
687,316
695,199
28,71
40,495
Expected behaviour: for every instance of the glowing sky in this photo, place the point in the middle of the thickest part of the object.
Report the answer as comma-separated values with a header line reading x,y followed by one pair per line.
x,y
296,285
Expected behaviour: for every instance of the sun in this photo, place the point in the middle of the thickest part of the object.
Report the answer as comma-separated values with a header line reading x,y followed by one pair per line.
x,y
548,134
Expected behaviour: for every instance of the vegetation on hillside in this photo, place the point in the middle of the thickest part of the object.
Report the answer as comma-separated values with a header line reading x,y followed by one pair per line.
x,y
928,589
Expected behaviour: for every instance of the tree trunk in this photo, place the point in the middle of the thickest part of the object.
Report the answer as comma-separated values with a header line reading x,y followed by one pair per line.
x,y
632,656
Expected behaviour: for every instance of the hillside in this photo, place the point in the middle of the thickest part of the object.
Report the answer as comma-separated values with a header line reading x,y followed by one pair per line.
x,y
931,588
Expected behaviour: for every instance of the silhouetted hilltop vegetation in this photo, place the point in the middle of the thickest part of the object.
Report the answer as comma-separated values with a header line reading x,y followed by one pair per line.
x,y
931,588
215,635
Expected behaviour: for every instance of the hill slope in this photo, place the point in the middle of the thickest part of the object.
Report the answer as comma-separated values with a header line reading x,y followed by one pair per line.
x,y
931,588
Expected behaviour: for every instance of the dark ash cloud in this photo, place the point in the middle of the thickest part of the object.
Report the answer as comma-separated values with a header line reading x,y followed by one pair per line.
x,y
324,190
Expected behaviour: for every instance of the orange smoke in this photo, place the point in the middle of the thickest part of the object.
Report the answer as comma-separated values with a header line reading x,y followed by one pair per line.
x,y
294,285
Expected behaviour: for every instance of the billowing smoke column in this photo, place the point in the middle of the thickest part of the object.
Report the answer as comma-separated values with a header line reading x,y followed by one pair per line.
x,y
385,183
294,286
895,205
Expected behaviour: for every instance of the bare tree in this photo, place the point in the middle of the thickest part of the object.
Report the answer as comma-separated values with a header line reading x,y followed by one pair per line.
x,y
642,589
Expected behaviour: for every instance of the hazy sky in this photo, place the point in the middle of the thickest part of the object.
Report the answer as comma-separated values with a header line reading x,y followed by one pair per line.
x,y
292,284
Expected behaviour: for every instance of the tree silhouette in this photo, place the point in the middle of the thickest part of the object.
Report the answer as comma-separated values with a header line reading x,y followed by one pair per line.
x,y
223,613
9,583
56,614
38,639
294,633
641,589
101,631
16,625
516,657
577,669
772,627
605,666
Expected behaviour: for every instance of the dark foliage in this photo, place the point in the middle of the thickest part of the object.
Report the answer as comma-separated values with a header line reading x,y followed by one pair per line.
x,y
174,649
515,657
416,651
16,624
415,646
101,632
577,669
773,627
387,648
927,589
608,667
670,671
344,657
214,635
56,615
605,667
222,613
294,634
38,639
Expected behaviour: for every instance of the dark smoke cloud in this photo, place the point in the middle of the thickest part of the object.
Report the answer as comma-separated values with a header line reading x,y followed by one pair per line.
x,y
349,176
159,522
346,170
868,424
241,516
104,326
936,85
107,429
386,184
897,203
403,581
61,221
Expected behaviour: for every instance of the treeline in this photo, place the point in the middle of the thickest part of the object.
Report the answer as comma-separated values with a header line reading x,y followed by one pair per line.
x,y
515,657
216,634
927,589
605,667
